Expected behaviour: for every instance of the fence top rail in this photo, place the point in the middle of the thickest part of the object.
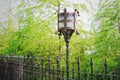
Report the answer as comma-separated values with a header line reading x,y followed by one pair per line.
x,y
15,57
19,57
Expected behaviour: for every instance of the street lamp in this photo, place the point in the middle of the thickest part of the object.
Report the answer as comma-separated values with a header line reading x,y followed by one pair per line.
x,y
66,26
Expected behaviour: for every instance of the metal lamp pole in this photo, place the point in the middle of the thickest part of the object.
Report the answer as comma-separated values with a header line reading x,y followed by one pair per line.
x,y
67,36
67,59
66,26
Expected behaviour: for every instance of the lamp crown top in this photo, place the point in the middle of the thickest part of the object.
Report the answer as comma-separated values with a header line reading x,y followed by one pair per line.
x,y
77,12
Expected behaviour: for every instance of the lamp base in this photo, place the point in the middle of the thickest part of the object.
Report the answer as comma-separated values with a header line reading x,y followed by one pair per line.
x,y
67,35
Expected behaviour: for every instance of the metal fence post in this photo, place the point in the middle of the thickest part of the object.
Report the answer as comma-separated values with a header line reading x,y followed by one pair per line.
x,y
58,67
113,75
78,63
53,71
62,73
105,68
99,75
5,68
73,78
23,68
45,73
49,66
85,74
91,68
42,63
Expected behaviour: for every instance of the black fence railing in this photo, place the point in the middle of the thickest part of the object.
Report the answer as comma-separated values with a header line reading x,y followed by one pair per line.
x,y
31,68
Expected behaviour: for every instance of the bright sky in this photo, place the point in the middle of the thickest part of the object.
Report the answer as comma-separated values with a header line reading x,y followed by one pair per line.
x,y
86,18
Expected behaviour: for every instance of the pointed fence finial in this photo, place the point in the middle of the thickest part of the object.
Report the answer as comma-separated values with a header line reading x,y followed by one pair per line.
x,y
113,75
99,75
58,60
105,62
73,74
78,64
78,60
85,74
91,61
42,59
49,59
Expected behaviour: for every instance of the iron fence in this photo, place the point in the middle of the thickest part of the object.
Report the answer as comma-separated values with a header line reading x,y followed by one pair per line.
x,y
32,68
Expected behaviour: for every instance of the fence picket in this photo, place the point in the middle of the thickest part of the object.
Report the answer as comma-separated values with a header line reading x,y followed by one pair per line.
x,y
42,64
99,75
62,73
78,63
105,68
85,74
58,67
91,66
53,75
113,75
73,74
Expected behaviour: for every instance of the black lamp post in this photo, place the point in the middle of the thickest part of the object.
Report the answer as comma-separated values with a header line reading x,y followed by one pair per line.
x,y
66,26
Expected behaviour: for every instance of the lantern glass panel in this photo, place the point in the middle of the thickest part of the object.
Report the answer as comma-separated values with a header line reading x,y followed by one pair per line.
x,y
61,24
61,17
70,17
70,25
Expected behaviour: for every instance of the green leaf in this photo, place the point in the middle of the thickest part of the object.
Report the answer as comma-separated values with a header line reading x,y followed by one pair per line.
x,y
84,7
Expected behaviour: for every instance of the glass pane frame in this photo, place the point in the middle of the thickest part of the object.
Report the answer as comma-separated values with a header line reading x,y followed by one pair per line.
x,y
61,24
70,25
70,16
66,21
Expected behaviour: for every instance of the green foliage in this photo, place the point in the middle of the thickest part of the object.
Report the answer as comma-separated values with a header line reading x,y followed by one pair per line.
x,y
106,36
83,6
36,30
7,29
